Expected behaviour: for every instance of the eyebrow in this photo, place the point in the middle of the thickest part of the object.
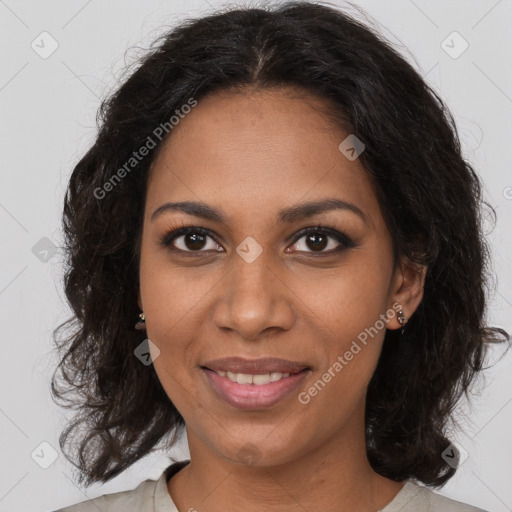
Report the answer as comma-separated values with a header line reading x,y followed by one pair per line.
x,y
288,215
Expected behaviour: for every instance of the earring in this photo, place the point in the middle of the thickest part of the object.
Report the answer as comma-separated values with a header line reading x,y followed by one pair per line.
x,y
141,324
401,319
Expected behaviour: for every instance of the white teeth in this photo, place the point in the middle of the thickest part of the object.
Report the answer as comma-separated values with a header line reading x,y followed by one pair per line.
x,y
277,376
261,379
243,378
258,380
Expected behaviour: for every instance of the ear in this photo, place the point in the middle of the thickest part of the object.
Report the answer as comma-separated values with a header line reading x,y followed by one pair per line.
x,y
406,290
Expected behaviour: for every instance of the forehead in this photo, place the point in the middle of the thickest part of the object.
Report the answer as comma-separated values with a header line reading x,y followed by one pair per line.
x,y
258,151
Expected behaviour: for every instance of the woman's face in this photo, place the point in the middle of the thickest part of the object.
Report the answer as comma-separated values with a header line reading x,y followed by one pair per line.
x,y
252,286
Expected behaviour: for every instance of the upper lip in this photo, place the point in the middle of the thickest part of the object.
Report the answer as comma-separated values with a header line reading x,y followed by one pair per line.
x,y
255,366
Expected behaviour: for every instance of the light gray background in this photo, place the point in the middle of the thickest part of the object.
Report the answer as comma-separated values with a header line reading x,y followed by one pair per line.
x,y
48,109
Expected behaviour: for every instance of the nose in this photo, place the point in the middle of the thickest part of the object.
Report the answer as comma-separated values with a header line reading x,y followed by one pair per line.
x,y
253,299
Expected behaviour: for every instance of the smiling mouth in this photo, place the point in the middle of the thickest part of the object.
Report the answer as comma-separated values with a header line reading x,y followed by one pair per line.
x,y
246,391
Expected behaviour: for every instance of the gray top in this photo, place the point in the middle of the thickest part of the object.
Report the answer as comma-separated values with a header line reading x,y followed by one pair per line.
x,y
153,496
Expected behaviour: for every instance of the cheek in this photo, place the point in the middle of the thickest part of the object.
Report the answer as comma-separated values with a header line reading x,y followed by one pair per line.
x,y
173,298
350,300
174,304
175,364
348,306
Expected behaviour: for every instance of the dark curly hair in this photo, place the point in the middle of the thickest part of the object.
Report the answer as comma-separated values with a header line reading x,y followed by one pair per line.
x,y
429,194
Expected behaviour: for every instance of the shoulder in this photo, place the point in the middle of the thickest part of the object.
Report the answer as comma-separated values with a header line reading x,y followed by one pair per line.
x,y
142,499
417,498
439,502
148,496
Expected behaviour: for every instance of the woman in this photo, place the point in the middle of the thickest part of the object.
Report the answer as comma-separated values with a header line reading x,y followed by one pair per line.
x,y
281,201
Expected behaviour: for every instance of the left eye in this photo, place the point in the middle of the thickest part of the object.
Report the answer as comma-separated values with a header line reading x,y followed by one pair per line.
x,y
317,239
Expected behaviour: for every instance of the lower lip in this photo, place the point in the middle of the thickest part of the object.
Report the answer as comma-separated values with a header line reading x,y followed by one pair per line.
x,y
250,396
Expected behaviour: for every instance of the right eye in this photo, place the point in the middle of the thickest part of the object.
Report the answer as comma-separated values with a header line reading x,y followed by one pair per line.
x,y
194,239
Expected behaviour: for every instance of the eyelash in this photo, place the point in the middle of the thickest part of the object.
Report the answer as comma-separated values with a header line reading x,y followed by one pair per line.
x,y
345,241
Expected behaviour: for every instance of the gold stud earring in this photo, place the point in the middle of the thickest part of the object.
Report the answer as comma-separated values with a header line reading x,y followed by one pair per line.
x,y
141,324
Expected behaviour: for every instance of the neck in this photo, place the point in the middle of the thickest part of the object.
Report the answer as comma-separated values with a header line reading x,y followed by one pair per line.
x,y
334,477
